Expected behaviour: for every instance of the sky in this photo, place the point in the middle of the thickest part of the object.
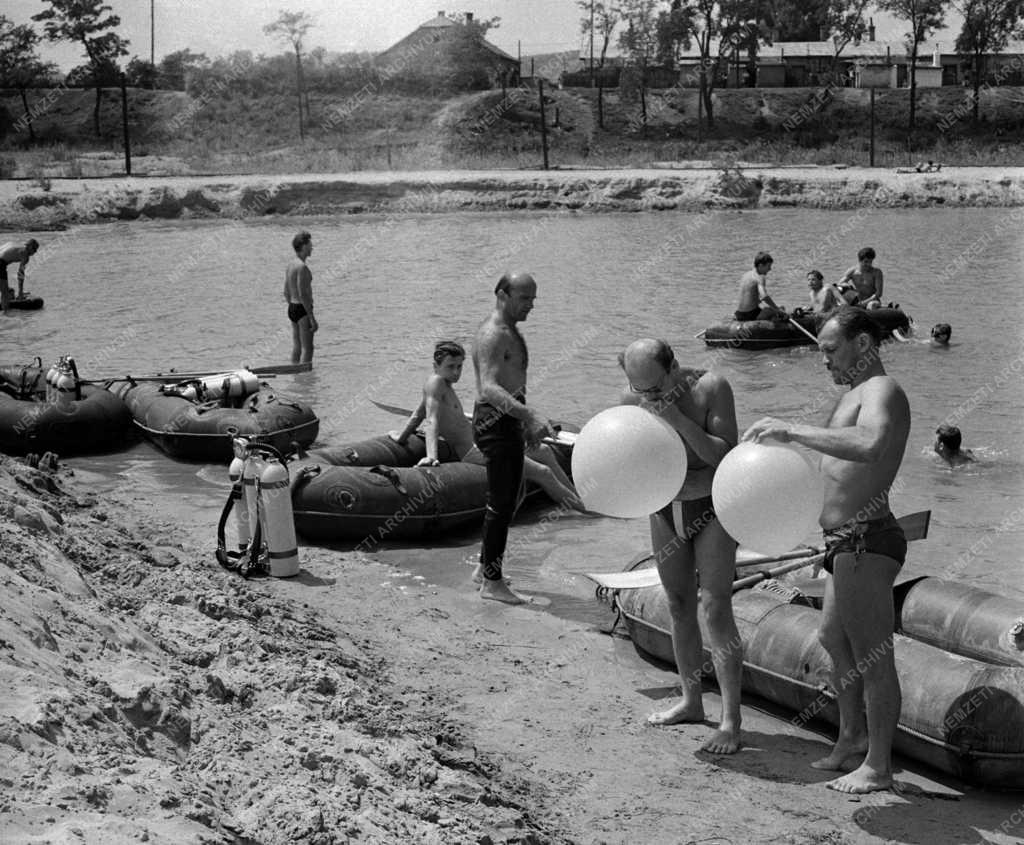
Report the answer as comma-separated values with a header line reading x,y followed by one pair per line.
x,y
219,27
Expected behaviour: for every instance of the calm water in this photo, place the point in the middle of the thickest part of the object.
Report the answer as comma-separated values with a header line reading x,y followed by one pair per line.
x,y
206,295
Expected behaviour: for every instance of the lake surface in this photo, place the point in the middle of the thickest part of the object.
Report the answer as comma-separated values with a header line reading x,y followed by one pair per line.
x,y
137,297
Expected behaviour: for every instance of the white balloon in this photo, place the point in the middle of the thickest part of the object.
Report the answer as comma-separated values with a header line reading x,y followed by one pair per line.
x,y
628,462
767,496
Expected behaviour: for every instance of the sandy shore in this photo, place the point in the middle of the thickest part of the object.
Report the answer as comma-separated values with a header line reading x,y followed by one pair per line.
x,y
26,205
148,695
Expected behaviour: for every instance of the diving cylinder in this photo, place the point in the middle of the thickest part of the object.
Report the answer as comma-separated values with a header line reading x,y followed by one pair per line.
x,y
51,382
236,384
66,387
252,466
241,506
278,521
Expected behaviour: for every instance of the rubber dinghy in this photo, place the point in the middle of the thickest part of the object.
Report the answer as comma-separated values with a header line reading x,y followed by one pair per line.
x,y
771,334
93,421
959,655
25,302
371,491
198,424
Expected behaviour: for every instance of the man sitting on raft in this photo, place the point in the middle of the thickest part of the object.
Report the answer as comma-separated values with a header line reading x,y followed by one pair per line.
x,y
862,285
442,416
755,302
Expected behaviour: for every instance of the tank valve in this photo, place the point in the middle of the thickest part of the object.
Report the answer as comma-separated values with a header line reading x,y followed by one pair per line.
x,y
1016,634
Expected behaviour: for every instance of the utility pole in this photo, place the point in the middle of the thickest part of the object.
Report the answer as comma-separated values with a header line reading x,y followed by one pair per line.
x,y
591,43
152,32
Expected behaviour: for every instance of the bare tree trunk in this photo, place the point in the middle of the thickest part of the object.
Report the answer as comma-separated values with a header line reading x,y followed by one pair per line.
x,y
298,85
913,85
976,105
28,114
96,109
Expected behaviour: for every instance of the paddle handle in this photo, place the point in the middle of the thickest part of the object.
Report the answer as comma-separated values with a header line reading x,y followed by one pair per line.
x,y
750,580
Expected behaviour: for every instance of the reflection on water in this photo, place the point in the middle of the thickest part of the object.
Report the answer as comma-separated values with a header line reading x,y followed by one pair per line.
x,y
207,295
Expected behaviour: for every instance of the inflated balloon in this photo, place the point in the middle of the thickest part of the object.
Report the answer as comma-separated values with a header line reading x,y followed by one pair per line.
x,y
768,497
627,462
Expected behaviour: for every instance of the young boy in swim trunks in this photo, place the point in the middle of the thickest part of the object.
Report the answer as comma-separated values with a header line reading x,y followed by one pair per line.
x,y
442,416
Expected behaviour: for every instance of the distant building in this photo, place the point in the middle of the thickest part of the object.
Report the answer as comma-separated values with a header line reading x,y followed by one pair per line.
x,y
435,47
867,64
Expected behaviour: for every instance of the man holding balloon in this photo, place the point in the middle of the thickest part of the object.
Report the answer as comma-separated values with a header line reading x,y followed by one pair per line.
x,y
861,450
690,545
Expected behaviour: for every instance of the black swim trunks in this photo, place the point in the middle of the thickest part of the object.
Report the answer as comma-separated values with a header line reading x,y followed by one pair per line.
x,y
694,516
881,536
746,316
296,311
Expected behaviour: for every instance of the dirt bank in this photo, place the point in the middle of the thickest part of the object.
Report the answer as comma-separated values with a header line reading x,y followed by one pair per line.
x,y
148,695
26,204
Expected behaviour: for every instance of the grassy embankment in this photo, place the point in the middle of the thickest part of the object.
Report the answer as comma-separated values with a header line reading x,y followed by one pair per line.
x,y
173,133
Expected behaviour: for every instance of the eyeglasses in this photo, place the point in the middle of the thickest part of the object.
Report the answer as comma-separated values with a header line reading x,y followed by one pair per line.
x,y
648,391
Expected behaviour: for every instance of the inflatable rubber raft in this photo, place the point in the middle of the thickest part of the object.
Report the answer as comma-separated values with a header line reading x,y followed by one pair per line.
x,y
25,302
770,334
93,421
372,492
959,656
187,427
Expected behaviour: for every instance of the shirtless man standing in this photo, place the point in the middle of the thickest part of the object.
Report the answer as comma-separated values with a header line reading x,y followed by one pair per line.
x,y
862,285
861,450
689,544
502,421
298,293
754,291
12,253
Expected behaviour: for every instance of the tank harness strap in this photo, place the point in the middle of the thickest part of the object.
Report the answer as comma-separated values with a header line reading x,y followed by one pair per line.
x,y
245,563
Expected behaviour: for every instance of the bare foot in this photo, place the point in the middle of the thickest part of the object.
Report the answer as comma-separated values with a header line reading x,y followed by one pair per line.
x,y
499,591
678,714
861,780
723,742
842,750
478,576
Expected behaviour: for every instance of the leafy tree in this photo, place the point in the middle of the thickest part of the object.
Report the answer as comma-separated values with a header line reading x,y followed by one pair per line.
x,y
83,21
806,20
20,66
924,17
291,27
141,73
988,25
605,17
174,68
640,41
676,28
470,65
701,21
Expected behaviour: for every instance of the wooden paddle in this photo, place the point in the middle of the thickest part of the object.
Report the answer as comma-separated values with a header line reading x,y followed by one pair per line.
x,y
561,438
172,377
914,525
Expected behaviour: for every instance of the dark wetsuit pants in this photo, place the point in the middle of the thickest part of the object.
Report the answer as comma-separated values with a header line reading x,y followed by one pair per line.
x,y
499,437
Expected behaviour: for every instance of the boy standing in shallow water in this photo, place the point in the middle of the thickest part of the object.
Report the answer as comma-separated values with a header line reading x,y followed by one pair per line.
x,y
298,293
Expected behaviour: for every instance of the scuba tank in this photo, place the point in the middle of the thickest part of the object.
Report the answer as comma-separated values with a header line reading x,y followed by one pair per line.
x,y
241,514
277,523
51,382
264,519
65,386
222,386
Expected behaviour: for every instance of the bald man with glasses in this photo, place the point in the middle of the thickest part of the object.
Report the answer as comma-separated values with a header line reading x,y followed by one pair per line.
x,y
690,545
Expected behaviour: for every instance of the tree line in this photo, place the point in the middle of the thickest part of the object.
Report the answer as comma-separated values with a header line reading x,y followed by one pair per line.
x,y
655,32
93,26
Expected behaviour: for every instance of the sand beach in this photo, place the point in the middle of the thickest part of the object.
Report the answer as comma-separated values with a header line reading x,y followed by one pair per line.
x,y
151,696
